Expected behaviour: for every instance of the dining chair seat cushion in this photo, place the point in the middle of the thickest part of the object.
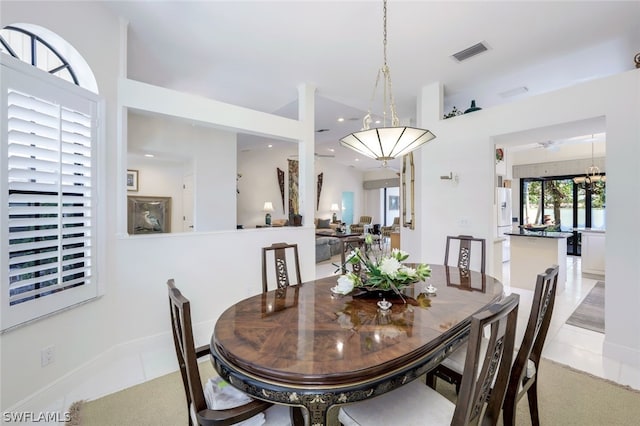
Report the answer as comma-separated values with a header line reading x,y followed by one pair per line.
x,y
455,360
391,408
220,395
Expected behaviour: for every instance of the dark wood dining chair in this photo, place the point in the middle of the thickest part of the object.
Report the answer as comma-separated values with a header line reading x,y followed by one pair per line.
x,y
526,363
483,387
188,354
280,251
467,245
348,245
524,373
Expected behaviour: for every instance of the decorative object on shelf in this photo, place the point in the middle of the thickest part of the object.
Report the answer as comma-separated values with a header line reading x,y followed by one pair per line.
x,y
637,60
381,273
499,155
320,177
385,143
430,290
281,185
472,108
268,207
148,215
132,180
592,176
454,112
335,209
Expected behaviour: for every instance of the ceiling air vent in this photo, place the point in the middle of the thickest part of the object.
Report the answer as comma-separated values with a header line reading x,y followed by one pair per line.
x,y
470,51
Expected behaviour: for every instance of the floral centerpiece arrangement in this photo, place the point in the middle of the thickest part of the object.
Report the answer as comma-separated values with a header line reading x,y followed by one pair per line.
x,y
383,272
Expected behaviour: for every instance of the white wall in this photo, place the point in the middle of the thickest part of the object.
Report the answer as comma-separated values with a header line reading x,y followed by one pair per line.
x,y
87,331
259,183
465,145
134,307
180,148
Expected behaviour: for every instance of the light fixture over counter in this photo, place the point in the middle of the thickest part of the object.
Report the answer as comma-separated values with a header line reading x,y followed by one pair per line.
x,y
592,176
386,142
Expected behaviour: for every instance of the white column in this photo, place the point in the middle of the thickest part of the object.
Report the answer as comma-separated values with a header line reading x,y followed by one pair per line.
x,y
306,148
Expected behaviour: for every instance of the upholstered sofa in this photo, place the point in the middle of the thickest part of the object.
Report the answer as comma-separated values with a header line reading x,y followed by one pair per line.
x,y
327,247
325,226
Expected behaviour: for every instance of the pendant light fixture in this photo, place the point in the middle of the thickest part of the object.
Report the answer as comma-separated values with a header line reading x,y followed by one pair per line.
x,y
386,142
593,174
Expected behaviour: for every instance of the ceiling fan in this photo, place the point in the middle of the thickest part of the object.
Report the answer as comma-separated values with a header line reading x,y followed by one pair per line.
x,y
550,145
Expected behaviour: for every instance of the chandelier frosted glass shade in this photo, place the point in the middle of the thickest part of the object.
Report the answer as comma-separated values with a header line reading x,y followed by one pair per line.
x,y
387,143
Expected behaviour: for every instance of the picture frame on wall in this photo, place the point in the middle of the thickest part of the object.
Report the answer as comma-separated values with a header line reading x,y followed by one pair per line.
x,y
132,180
148,215
394,202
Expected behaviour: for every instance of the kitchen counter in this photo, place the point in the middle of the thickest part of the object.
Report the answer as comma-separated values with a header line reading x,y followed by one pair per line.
x,y
532,252
540,234
593,251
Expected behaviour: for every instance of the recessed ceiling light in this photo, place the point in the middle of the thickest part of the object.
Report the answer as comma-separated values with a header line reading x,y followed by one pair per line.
x,y
269,146
340,119
332,150
378,121
149,155
357,159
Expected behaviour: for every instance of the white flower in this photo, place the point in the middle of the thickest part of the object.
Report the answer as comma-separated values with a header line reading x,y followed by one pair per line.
x,y
345,284
409,271
389,266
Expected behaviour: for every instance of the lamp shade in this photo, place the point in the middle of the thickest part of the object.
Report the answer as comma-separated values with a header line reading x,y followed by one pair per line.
x,y
334,207
387,143
268,206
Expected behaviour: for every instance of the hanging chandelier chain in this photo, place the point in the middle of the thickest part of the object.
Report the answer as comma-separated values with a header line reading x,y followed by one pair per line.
x,y
387,89
385,142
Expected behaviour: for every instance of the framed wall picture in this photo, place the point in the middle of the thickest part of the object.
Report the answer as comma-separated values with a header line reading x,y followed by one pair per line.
x,y
132,180
394,202
148,215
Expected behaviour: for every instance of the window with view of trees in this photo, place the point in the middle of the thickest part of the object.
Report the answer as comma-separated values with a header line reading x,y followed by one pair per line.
x,y
565,204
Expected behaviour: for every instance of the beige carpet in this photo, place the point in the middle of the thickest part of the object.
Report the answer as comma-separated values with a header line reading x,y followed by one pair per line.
x,y
567,397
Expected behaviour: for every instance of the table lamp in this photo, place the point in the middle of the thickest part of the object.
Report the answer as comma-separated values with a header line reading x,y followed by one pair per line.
x,y
334,209
268,207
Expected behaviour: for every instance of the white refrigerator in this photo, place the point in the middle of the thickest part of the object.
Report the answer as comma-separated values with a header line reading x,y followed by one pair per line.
x,y
503,198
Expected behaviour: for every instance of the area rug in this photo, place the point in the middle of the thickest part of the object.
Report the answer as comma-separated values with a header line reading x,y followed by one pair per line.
x,y
590,313
566,397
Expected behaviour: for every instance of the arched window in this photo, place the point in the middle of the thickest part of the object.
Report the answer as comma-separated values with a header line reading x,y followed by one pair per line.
x,y
50,134
30,48
47,51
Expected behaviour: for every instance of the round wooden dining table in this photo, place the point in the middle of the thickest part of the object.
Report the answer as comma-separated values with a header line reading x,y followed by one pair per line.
x,y
305,346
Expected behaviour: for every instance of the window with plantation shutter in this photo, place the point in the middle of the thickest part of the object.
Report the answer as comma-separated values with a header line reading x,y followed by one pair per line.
x,y
50,139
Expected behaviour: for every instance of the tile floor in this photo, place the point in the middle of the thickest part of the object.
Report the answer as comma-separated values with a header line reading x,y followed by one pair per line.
x,y
576,347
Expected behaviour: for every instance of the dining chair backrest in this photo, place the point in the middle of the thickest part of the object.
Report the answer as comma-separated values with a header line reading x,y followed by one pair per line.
x,y
188,355
523,377
348,245
466,246
486,374
280,253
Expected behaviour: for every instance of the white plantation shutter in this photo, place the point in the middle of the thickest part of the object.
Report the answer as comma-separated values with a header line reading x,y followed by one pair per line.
x,y
50,170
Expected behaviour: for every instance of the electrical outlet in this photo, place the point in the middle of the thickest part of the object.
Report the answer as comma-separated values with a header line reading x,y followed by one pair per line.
x,y
47,355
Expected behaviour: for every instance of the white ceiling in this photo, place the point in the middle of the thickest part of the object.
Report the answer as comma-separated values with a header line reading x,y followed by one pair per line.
x,y
255,53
